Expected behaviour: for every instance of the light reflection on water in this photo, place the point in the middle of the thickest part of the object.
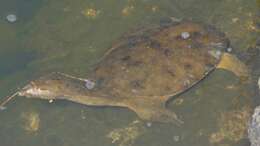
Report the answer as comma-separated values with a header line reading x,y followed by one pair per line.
x,y
71,36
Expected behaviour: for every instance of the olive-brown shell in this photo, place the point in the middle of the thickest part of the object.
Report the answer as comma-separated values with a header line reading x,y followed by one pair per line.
x,y
160,62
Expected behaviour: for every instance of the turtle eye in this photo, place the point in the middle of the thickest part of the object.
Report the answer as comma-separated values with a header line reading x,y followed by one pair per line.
x,y
89,84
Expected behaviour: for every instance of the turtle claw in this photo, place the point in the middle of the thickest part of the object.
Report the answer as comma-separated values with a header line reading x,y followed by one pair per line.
x,y
169,117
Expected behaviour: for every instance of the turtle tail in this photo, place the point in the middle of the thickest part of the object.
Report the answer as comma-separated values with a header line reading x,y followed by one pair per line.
x,y
233,64
152,109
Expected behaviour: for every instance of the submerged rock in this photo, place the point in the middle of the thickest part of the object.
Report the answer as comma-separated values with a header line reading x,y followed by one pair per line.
x,y
254,128
126,136
232,126
31,121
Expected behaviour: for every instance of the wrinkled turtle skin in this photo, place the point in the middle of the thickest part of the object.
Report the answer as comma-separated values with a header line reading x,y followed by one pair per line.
x,y
143,70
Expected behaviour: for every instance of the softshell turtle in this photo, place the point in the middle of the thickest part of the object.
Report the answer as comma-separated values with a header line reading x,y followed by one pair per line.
x,y
145,70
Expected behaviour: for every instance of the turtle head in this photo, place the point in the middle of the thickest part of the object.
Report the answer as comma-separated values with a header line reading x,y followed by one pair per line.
x,y
43,88
36,89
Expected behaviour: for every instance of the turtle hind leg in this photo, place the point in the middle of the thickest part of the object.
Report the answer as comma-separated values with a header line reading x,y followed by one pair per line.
x,y
153,110
233,64
162,115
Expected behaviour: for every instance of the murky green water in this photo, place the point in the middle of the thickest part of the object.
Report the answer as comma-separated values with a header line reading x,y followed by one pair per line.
x,y
71,36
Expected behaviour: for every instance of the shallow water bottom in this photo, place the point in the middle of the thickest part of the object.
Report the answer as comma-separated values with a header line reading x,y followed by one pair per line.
x,y
71,37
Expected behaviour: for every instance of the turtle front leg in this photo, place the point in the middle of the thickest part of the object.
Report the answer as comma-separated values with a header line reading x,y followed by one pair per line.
x,y
162,115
